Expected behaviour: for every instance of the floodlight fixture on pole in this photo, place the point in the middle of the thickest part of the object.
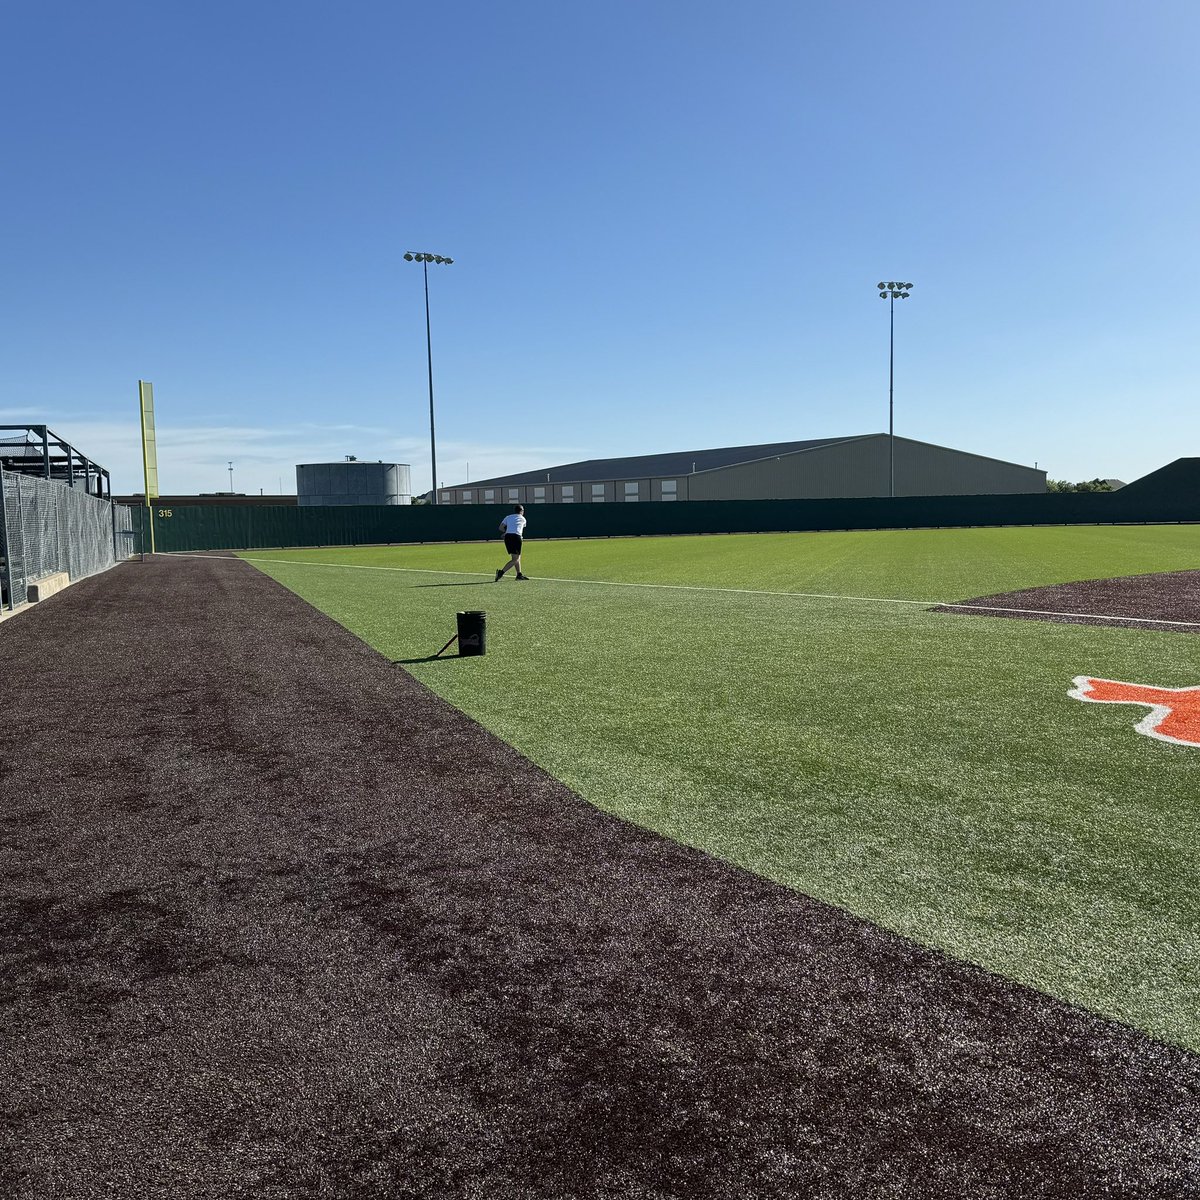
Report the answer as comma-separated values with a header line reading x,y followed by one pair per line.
x,y
425,259
891,292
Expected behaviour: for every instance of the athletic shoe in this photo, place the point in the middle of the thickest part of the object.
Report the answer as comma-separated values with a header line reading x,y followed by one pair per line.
x,y
499,576
522,576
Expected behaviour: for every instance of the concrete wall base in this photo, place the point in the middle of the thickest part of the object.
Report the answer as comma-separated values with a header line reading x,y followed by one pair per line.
x,y
47,587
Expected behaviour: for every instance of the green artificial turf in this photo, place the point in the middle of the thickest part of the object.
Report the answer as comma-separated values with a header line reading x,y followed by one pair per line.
x,y
926,771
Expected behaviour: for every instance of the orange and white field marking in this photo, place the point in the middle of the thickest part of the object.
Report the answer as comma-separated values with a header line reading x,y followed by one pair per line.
x,y
1174,714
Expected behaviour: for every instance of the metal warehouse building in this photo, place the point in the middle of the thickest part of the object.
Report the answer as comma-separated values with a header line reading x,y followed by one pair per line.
x,y
823,468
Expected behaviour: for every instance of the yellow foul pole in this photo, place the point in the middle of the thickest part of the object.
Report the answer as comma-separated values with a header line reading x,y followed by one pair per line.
x,y
149,449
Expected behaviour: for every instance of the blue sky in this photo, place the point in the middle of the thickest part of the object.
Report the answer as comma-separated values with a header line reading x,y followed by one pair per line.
x,y
667,221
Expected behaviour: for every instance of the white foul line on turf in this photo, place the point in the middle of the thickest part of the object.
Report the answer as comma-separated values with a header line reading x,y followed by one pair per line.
x,y
1058,612
691,587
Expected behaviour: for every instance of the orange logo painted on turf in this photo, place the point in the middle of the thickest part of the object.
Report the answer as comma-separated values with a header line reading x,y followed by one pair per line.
x,y
1174,714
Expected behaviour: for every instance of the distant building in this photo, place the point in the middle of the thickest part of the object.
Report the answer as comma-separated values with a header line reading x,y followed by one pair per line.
x,y
137,500
353,482
821,468
1178,480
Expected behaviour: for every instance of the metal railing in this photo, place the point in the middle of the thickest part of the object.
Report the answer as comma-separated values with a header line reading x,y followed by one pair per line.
x,y
47,527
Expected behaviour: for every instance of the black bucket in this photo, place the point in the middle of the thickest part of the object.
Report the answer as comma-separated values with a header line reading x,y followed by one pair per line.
x,y
472,633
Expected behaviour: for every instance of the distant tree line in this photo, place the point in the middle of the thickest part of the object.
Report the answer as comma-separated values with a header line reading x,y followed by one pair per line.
x,y
1088,485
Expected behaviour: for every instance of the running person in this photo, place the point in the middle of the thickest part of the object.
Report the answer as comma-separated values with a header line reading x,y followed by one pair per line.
x,y
513,528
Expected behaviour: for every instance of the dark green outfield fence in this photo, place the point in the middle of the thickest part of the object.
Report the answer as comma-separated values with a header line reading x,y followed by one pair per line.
x,y
213,527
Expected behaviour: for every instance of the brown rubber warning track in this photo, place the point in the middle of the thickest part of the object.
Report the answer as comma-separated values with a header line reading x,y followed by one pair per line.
x,y
278,922
1166,601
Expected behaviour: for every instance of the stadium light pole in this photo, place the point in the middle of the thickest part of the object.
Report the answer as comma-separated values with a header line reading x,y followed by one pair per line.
x,y
891,292
425,259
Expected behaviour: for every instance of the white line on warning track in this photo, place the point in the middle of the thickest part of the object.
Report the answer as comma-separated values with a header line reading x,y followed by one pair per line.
x,y
691,587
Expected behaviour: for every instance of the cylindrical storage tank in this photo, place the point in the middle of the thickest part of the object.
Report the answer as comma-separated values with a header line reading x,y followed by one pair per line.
x,y
353,483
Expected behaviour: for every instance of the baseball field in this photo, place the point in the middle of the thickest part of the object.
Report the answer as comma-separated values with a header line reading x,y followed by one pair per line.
x,y
839,866
791,704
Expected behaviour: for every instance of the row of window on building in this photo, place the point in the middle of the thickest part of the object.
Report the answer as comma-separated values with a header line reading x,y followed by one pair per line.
x,y
630,490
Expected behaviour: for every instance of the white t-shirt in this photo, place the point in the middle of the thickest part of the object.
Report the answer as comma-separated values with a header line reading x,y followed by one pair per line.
x,y
514,523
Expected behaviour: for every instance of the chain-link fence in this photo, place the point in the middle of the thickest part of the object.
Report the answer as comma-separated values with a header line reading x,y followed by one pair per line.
x,y
46,527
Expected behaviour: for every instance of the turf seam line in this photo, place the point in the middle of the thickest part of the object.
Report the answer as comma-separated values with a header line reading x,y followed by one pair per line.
x,y
689,587
679,587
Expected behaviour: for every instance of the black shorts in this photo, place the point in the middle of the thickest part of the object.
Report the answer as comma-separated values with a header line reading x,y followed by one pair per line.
x,y
512,543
